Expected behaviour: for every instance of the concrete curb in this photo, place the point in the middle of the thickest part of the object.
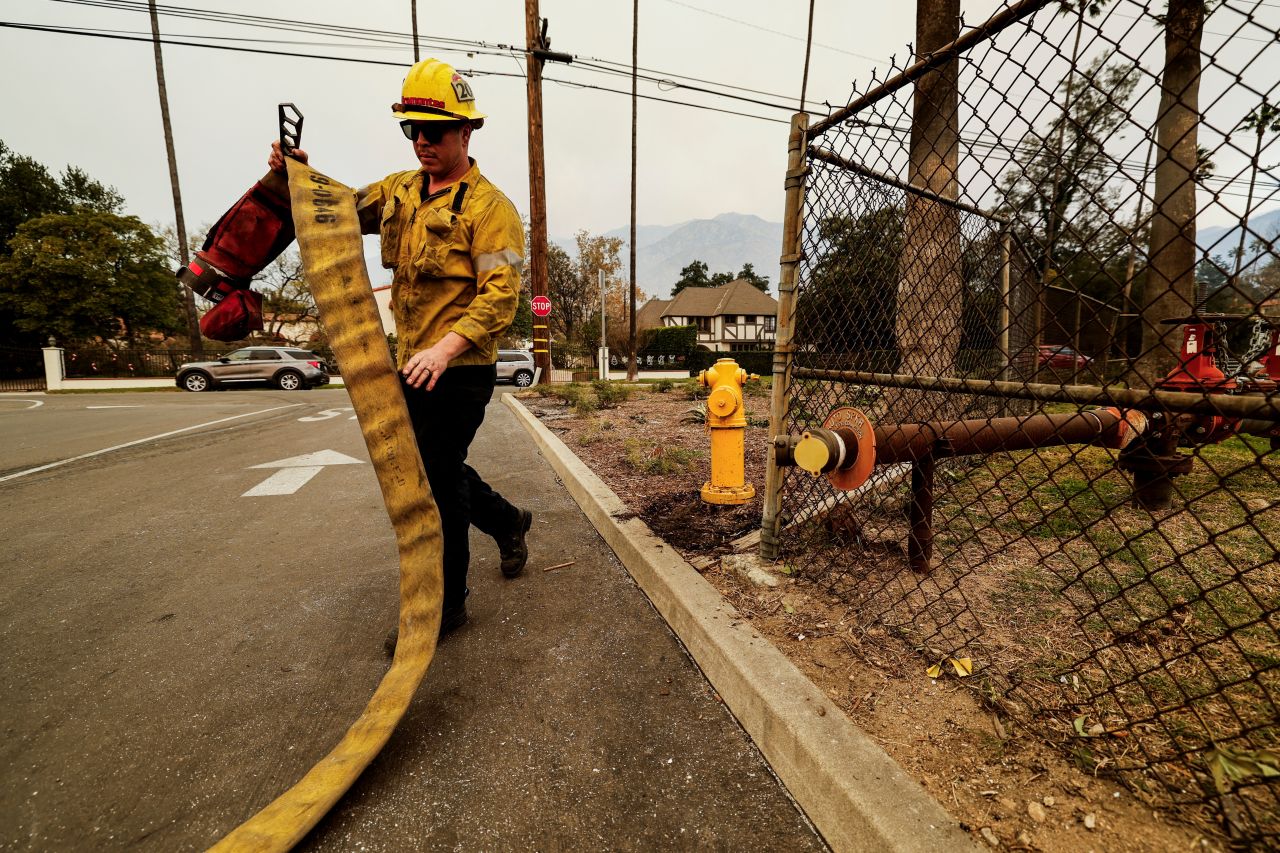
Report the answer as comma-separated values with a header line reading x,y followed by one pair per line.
x,y
855,794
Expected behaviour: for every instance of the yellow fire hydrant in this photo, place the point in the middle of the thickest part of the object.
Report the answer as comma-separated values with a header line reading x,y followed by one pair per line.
x,y
727,423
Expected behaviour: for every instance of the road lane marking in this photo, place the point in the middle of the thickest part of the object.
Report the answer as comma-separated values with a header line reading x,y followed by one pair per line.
x,y
15,475
296,471
113,407
286,481
325,415
35,404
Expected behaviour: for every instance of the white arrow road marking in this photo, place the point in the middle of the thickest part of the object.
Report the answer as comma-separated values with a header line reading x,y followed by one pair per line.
x,y
296,471
286,481
35,404
325,415
113,407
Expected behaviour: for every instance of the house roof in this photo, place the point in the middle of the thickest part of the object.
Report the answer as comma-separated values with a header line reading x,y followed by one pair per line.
x,y
650,314
736,297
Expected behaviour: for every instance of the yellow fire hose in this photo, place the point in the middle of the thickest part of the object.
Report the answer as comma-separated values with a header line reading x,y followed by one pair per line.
x,y
324,216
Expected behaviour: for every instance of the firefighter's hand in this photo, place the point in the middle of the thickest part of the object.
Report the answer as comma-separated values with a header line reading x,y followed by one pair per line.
x,y
427,366
276,160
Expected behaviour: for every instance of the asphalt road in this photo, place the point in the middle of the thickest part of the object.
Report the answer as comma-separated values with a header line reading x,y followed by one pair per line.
x,y
178,652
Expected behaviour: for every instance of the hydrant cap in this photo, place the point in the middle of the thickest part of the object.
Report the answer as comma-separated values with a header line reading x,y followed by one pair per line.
x,y
722,401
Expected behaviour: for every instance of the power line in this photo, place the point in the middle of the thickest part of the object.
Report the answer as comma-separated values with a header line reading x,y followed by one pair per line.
x,y
994,143
772,31
389,37
470,71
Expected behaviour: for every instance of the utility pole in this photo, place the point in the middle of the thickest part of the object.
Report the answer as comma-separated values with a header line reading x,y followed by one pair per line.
x,y
189,298
604,340
632,373
808,47
533,32
413,10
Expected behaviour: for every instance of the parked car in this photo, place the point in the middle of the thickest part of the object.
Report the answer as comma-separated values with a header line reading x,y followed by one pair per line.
x,y
515,366
287,368
1056,355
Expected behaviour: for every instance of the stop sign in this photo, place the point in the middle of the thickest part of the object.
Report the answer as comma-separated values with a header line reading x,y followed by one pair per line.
x,y
541,306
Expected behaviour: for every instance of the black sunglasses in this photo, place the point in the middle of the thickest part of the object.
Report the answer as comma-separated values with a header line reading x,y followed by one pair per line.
x,y
434,131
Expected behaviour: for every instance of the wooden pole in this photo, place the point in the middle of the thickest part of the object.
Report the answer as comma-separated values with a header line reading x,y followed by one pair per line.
x,y
1006,315
792,228
179,223
1169,291
537,188
632,372
413,10
808,47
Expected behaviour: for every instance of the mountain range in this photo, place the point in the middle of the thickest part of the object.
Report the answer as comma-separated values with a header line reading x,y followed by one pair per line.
x,y
1219,241
723,243
728,240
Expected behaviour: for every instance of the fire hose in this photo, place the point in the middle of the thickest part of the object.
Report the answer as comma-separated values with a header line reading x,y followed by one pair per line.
x,y
328,233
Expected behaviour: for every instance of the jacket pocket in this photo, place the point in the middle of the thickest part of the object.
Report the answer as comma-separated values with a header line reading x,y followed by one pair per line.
x,y
392,225
440,227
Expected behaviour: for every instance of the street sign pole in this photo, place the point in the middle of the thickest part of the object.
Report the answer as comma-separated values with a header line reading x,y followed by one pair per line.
x,y
541,307
603,355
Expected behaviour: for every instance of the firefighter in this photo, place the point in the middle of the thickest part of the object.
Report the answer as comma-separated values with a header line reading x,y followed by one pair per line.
x,y
455,245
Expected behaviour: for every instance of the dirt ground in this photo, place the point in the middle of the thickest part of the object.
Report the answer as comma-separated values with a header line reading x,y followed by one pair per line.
x,y
1004,784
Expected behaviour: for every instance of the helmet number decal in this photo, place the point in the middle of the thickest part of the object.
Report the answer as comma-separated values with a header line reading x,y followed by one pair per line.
x,y
462,88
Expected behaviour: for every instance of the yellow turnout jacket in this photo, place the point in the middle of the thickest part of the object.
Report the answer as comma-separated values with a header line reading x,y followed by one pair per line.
x,y
456,257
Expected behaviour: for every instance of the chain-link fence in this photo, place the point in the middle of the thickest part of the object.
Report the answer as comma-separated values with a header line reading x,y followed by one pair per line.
x,y
1040,261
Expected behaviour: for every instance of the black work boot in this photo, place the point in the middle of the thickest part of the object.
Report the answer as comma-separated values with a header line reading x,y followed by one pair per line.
x,y
450,620
513,548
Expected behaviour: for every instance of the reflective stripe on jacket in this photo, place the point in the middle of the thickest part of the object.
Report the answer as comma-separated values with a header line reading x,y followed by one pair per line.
x,y
456,258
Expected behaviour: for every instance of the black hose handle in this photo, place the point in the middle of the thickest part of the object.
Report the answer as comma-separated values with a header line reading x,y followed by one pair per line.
x,y
290,128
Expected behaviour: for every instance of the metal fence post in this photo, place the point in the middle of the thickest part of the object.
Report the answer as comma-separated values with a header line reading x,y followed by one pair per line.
x,y
792,222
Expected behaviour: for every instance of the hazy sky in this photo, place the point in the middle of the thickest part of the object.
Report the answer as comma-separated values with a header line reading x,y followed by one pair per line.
x,y
92,102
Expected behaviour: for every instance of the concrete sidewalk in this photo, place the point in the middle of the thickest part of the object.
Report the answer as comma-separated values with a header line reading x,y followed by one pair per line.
x,y
565,715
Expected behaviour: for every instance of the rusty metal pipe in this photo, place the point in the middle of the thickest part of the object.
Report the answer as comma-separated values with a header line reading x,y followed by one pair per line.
x,y
908,442
1258,426
821,451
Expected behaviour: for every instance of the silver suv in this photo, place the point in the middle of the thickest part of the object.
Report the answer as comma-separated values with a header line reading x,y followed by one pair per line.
x,y
287,368
515,366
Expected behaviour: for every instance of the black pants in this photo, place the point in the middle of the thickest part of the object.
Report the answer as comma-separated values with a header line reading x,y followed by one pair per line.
x,y
445,421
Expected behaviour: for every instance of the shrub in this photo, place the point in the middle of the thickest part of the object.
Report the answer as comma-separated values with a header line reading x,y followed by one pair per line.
x,y
610,394
650,458
595,431
663,386
694,391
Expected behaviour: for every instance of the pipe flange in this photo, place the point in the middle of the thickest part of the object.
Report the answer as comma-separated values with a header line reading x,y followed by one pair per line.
x,y
856,471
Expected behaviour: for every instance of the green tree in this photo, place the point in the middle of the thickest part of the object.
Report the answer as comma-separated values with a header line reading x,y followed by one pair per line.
x,y
693,275
287,303
566,291
850,302
750,276
696,274
87,274
28,190
574,286
1062,193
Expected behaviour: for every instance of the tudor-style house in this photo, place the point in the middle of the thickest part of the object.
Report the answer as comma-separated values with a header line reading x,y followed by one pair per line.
x,y
731,318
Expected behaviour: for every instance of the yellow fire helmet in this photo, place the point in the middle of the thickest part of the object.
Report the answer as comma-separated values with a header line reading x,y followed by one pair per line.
x,y
434,91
